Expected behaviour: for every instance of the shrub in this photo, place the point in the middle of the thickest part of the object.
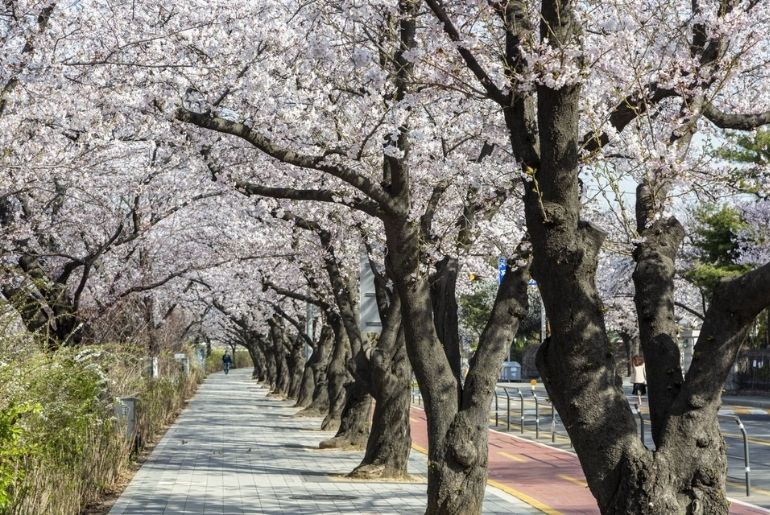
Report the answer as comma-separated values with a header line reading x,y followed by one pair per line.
x,y
60,443
214,360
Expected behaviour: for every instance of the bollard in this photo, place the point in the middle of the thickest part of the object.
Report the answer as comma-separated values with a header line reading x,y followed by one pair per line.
x,y
521,398
746,464
641,422
553,422
508,409
496,408
537,415
747,467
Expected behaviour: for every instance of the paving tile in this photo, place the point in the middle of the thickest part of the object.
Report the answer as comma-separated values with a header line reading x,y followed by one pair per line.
x,y
233,451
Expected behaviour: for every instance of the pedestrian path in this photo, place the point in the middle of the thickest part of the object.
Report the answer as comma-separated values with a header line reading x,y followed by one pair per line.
x,y
545,477
234,451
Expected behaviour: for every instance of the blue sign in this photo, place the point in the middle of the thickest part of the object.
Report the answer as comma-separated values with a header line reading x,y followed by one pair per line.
x,y
501,264
531,282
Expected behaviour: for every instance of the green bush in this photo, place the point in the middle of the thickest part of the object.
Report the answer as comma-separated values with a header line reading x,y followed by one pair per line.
x,y
60,444
214,360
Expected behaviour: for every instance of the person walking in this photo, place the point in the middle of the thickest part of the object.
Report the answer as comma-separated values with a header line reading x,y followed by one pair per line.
x,y
227,362
639,378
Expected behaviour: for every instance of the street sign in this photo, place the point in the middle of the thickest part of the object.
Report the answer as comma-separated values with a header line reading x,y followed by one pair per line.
x,y
501,264
369,321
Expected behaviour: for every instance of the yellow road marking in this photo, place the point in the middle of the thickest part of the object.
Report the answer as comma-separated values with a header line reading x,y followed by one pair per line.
x,y
419,449
524,497
571,479
754,489
752,439
507,489
513,457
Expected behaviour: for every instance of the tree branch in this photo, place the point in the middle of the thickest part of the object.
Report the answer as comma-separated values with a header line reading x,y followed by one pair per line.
x,y
742,122
294,295
493,92
626,111
367,206
284,155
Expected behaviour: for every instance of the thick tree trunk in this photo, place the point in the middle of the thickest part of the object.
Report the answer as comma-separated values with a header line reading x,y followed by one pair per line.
x,y
314,376
683,476
460,475
444,299
255,360
337,376
296,363
282,373
354,421
271,365
389,443
457,424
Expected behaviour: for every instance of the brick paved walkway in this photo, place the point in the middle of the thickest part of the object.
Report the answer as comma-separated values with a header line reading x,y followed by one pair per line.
x,y
233,451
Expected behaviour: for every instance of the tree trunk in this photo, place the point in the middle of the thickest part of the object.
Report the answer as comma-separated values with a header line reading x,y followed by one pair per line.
x,y
296,363
260,367
684,476
389,443
444,300
271,365
457,424
282,375
252,350
354,421
314,378
337,376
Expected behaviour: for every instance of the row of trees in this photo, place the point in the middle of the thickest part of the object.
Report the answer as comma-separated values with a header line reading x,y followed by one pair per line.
x,y
222,167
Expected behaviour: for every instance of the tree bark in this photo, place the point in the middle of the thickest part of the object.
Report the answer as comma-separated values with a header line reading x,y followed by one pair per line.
x,y
337,375
314,376
256,360
296,363
457,425
444,299
282,375
354,420
389,443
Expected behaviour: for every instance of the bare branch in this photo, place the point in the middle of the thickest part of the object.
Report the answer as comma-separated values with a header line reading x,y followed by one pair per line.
x,y
284,155
471,62
741,122
364,205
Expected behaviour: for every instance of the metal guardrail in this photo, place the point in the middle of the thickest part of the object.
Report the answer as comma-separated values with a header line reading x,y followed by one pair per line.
x,y
746,464
508,391
538,401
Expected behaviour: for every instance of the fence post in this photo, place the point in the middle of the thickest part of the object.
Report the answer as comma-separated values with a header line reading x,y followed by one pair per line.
x,y
537,415
553,422
641,422
507,408
496,407
747,467
746,464
521,397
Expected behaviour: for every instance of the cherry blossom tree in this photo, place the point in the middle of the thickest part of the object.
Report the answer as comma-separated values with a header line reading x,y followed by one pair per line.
x,y
549,86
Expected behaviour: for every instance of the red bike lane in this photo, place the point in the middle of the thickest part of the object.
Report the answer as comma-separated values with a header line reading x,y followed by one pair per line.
x,y
545,477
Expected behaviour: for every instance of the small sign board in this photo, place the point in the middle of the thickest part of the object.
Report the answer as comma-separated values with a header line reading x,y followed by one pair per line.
x,y
369,321
501,265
